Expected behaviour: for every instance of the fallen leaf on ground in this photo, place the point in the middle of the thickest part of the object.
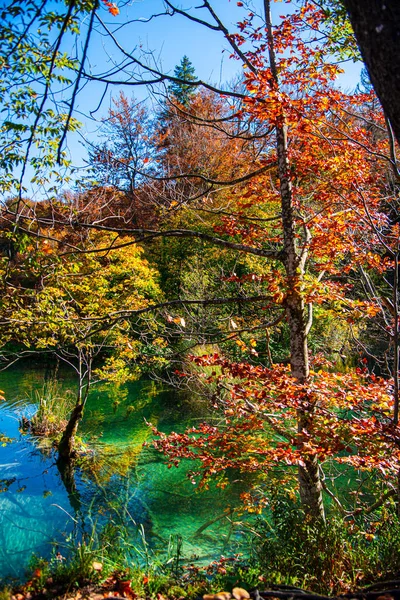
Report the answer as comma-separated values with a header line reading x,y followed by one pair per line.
x,y
240,593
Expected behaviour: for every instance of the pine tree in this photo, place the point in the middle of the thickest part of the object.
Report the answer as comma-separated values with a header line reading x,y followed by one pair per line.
x,y
365,85
185,71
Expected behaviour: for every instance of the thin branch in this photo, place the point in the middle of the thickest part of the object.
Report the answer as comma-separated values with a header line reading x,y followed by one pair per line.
x,y
227,182
380,502
162,77
392,146
333,497
77,82
122,314
44,98
25,32
147,235
230,39
191,17
159,77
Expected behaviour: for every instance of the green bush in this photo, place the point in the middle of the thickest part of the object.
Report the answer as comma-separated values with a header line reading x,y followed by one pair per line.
x,y
342,554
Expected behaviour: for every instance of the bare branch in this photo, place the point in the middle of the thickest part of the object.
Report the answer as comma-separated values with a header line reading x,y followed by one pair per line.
x,y
158,76
147,235
77,82
221,27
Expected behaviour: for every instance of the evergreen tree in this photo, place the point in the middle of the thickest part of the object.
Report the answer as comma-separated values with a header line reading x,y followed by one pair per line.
x,y
183,92
365,85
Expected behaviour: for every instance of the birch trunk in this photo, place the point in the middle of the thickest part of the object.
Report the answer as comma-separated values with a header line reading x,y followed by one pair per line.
x,y
294,261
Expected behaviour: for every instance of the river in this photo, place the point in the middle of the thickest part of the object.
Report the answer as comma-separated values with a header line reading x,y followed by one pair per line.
x,y
122,481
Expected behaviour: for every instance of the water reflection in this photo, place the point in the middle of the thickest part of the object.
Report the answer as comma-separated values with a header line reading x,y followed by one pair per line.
x,y
120,481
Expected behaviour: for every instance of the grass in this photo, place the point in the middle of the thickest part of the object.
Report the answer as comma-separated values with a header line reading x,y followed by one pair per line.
x,y
105,557
54,405
106,560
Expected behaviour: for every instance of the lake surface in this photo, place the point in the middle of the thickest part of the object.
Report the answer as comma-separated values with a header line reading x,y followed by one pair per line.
x,y
122,482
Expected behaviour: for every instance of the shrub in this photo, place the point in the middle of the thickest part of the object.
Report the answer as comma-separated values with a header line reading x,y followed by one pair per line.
x,y
341,554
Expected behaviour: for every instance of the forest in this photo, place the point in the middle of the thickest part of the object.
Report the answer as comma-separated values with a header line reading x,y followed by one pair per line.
x,y
207,303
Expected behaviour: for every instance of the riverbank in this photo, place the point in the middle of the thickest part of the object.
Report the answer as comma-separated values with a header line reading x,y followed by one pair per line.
x,y
189,583
120,589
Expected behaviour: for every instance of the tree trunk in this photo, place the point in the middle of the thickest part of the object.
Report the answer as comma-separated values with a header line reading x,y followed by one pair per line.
x,y
294,261
376,25
309,473
66,445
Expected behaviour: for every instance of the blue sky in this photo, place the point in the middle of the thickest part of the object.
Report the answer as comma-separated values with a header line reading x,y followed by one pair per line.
x,y
164,40
167,40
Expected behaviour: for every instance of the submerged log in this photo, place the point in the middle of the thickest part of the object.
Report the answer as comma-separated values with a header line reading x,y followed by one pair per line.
x,y
227,513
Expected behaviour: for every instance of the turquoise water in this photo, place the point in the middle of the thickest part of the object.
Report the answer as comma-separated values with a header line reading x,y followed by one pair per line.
x,y
122,481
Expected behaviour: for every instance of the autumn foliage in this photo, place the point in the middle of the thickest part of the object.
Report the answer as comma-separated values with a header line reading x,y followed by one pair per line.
x,y
271,214
350,422
329,198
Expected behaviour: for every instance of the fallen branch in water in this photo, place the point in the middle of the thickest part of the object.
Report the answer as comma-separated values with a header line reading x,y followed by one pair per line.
x,y
227,513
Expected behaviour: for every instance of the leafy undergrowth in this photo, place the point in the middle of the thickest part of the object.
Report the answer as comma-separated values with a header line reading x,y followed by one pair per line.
x,y
106,563
207,583
343,555
135,583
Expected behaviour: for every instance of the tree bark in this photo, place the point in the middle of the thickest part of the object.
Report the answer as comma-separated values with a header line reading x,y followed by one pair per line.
x,y
309,473
376,24
66,446
294,259
66,450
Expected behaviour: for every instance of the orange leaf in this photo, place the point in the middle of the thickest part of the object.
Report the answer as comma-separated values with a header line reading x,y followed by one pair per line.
x,y
112,8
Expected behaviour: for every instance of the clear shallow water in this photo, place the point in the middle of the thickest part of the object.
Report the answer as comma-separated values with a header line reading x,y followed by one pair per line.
x,y
123,482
